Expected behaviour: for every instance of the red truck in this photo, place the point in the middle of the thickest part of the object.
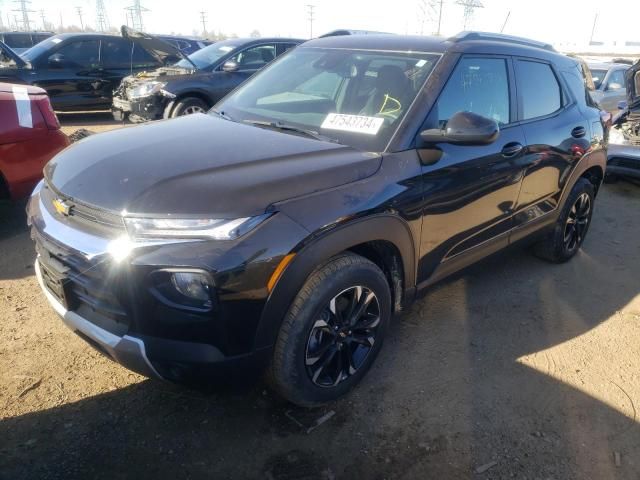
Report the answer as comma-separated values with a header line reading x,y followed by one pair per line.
x,y
30,136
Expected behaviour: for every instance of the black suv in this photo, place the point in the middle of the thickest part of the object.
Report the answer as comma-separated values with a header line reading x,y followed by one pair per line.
x,y
196,82
20,42
79,71
284,229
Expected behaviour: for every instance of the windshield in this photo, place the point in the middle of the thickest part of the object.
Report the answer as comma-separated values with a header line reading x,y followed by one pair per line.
x,y
598,76
356,97
205,57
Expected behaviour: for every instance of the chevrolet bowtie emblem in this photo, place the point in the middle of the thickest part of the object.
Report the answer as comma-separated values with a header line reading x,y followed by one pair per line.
x,y
61,207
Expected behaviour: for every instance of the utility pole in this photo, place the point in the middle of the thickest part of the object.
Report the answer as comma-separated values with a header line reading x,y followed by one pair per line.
x,y
203,19
440,17
310,17
102,21
44,20
23,10
593,29
79,10
469,8
505,21
430,10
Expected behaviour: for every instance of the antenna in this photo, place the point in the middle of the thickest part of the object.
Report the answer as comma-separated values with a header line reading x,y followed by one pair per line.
x,y
102,21
310,17
469,9
23,10
136,10
79,10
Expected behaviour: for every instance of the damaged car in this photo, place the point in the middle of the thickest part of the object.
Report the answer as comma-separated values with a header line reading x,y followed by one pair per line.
x,y
624,136
196,82
79,71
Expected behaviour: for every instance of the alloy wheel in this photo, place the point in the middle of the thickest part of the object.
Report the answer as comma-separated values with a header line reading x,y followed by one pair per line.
x,y
577,223
193,109
343,336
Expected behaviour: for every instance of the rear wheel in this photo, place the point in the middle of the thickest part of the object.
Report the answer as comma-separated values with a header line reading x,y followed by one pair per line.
x,y
188,106
572,225
332,332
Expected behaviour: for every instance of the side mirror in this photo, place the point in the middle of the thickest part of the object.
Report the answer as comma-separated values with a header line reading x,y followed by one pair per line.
x,y
464,128
230,66
56,60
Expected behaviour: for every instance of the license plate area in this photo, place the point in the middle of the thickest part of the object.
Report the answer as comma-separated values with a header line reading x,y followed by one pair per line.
x,y
54,281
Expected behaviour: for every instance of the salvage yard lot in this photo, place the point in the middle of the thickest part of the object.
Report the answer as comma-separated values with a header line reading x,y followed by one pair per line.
x,y
513,369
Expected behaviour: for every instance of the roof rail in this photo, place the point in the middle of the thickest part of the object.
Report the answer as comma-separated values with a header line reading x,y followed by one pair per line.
x,y
499,37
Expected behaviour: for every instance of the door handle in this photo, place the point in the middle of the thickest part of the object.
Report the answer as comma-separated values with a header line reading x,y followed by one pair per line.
x,y
512,149
578,132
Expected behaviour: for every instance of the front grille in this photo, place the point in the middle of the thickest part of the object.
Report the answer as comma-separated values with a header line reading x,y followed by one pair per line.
x,y
88,287
89,217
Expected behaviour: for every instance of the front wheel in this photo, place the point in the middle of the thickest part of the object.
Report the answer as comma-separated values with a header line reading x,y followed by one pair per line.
x,y
188,106
572,225
332,332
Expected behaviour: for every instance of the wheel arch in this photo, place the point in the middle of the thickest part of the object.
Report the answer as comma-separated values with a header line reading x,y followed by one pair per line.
x,y
384,239
188,94
591,166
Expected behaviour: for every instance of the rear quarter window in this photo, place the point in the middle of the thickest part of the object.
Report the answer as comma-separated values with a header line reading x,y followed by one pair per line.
x,y
538,89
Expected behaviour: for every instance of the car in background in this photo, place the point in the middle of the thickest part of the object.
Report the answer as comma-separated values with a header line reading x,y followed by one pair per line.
x,y
195,83
30,136
20,42
186,45
79,71
624,136
609,82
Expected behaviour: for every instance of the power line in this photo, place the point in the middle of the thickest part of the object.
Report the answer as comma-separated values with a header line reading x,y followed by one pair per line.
x,y
469,9
44,20
310,17
23,10
102,21
203,19
430,11
79,10
136,10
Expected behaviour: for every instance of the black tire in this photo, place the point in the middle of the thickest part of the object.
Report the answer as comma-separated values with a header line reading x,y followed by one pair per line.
x,y
189,105
293,370
560,246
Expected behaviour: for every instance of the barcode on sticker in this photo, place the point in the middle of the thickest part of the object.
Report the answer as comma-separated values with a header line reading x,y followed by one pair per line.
x,y
353,123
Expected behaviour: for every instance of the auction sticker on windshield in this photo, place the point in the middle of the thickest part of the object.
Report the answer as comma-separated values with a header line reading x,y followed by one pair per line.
x,y
353,123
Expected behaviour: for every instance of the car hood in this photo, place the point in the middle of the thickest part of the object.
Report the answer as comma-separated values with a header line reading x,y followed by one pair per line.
x,y
161,50
632,78
8,52
201,164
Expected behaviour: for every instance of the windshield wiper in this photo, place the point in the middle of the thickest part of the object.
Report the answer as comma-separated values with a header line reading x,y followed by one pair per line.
x,y
290,128
221,114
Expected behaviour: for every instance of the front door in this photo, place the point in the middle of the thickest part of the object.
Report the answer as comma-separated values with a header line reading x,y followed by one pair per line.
x,y
470,191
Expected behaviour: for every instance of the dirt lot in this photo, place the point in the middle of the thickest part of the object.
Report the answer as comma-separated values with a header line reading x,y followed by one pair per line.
x,y
515,369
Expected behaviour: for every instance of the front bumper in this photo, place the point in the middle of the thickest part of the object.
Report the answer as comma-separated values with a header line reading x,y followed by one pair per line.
x,y
127,350
623,160
141,109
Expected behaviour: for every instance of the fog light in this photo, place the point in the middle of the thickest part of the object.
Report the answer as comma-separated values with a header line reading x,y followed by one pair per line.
x,y
192,285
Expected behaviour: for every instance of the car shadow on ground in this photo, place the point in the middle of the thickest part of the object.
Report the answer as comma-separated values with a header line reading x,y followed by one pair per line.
x,y
16,261
85,119
449,397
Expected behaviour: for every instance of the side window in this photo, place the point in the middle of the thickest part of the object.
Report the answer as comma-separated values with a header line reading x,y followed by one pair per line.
x,y
616,80
142,58
538,89
478,85
255,58
83,54
116,53
283,47
18,40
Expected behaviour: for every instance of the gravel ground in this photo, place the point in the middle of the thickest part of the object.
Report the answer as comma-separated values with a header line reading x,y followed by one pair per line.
x,y
513,369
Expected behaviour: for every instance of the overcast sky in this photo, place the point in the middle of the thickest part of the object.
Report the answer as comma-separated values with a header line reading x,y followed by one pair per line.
x,y
560,22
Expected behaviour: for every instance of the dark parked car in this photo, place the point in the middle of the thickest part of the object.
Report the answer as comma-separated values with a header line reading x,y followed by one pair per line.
x,y
609,83
79,71
20,42
195,83
186,45
284,229
30,136
624,136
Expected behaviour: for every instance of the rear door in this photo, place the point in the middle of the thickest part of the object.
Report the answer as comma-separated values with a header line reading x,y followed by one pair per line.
x,y
71,75
557,135
471,191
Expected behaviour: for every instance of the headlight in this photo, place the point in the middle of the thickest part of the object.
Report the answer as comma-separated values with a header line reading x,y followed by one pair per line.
x,y
617,137
196,228
146,89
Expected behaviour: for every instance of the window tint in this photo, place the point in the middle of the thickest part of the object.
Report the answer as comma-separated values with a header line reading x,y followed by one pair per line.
x,y
39,37
255,57
478,85
116,53
538,88
18,40
616,80
81,54
598,75
142,58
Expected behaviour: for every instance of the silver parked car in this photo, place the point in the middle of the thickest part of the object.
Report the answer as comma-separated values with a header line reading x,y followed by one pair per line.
x,y
608,79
